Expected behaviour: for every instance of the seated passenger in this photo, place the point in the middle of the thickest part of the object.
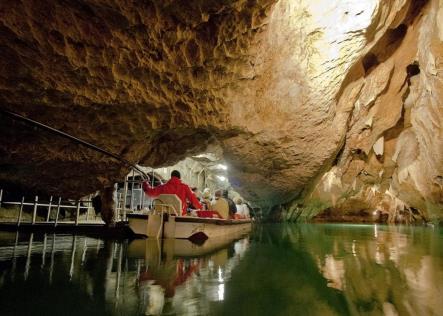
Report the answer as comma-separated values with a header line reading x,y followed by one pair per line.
x,y
232,208
196,192
242,209
174,186
197,195
206,199
220,205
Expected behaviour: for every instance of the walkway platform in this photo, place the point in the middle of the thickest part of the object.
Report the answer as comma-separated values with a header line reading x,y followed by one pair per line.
x,y
120,230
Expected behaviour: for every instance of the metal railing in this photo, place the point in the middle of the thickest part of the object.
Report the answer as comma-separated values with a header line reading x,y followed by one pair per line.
x,y
137,202
51,205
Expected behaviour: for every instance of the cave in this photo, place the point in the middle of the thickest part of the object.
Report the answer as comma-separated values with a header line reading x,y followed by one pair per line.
x,y
307,111
277,91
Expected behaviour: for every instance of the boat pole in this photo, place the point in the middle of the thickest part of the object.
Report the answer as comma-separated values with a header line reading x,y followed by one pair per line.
x,y
77,140
152,185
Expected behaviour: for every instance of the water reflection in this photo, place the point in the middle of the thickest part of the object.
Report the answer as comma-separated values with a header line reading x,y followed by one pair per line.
x,y
353,269
398,270
55,274
278,270
177,276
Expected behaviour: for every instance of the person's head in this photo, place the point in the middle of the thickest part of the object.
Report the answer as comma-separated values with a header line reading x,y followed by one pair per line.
x,y
238,201
175,173
218,194
196,192
207,193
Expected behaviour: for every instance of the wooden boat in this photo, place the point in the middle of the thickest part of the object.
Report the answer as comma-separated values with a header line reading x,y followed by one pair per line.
x,y
179,248
164,222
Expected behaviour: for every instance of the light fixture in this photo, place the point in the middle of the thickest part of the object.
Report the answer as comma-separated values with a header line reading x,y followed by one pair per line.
x,y
221,166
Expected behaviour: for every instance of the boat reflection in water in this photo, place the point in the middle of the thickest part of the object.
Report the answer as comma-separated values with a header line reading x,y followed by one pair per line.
x,y
52,274
325,269
175,272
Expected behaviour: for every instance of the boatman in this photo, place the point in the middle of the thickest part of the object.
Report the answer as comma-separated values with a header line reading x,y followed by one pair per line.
x,y
174,186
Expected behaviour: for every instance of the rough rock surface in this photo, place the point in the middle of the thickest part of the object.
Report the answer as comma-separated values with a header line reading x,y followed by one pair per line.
x,y
390,165
336,104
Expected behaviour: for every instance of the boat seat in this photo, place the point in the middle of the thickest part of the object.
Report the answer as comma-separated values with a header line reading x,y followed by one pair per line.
x,y
168,203
222,207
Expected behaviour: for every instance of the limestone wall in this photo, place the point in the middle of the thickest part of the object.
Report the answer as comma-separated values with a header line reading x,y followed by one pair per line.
x,y
320,104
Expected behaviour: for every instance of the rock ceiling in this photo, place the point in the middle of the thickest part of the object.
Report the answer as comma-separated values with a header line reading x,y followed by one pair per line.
x,y
295,93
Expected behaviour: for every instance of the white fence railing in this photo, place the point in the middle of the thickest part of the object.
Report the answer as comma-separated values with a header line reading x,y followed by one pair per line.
x,y
51,205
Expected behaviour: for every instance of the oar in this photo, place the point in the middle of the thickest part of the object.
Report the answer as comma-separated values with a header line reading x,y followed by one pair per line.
x,y
22,118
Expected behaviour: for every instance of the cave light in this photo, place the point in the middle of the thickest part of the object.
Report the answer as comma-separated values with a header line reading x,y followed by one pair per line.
x,y
221,166
221,291
353,14
332,22
220,278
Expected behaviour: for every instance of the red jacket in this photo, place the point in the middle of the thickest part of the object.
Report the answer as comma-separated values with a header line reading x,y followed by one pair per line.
x,y
174,186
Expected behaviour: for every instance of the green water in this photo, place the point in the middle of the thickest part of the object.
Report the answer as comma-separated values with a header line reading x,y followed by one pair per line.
x,y
277,270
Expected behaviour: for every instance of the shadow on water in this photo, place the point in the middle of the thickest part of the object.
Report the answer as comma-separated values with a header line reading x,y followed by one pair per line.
x,y
277,270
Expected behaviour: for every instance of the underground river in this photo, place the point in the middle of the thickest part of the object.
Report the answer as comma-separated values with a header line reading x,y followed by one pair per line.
x,y
304,269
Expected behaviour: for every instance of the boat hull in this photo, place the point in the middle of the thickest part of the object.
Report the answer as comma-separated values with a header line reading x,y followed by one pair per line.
x,y
185,227
183,248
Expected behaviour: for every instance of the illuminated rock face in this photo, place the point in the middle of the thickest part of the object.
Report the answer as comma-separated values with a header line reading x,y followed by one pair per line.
x,y
391,161
287,89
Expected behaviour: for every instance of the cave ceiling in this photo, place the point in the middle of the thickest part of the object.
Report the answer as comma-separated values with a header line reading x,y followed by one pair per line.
x,y
283,88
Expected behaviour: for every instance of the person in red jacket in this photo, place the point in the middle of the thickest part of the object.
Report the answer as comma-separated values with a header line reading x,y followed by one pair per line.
x,y
174,186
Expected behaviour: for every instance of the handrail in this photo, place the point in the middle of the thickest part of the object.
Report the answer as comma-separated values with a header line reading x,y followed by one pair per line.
x,y
45,204
49,205
53,208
